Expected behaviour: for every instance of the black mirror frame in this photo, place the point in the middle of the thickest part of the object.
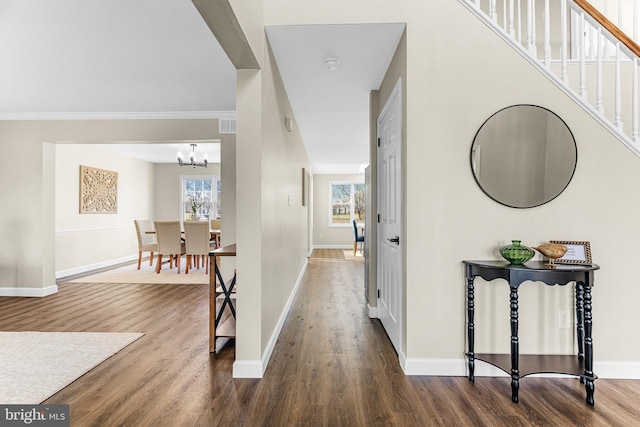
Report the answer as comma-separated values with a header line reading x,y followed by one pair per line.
x,y
575,145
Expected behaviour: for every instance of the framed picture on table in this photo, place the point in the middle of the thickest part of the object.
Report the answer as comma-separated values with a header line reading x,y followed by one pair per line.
x,y
578,252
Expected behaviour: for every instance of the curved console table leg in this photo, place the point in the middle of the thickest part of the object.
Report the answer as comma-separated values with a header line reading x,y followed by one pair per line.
x,y
515,350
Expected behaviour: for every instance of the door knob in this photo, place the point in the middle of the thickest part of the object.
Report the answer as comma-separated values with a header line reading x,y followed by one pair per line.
x,y
395,240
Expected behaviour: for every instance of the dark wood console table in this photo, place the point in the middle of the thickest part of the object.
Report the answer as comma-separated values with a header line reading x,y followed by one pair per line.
x,y
517,365
222,317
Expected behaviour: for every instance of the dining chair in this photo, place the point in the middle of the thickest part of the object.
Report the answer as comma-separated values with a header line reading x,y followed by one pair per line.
x,y
169,243
198,245
356,238
146,242
215,238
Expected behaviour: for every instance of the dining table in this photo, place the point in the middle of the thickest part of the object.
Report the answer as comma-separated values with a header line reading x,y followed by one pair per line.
x,y
214,232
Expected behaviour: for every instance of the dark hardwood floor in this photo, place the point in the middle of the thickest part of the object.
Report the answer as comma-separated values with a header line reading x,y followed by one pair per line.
x,y
332,366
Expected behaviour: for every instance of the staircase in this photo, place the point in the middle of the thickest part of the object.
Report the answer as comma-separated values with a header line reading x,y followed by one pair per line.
x,y
578,48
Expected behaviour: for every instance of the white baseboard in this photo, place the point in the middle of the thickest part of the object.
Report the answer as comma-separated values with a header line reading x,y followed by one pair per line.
x,y
91,267
458,368
50,290
247,369
372,312
617,370
441,367
332,246
254,368
29,292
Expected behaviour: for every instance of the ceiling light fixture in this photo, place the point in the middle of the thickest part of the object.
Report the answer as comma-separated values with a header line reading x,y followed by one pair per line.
x,y
192,159
331,63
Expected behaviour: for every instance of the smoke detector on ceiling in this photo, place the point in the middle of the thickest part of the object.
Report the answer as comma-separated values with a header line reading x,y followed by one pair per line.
x,y
331,63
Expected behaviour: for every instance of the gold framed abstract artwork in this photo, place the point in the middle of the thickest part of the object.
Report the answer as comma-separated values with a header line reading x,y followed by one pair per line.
x,y
98,191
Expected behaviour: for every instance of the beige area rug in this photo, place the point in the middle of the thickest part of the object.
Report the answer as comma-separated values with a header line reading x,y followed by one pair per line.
x,y
147,274
36,365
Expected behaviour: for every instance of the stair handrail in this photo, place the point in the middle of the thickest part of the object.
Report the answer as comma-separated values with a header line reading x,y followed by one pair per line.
x,y
609,26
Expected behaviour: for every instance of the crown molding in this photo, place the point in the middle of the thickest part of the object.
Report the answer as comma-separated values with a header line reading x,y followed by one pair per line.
x,y
161,115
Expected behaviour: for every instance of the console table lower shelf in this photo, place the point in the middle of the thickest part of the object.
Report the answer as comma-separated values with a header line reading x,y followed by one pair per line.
x,y
537,364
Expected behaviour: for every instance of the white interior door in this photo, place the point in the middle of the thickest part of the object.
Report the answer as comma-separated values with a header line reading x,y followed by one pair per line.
x,y
390,243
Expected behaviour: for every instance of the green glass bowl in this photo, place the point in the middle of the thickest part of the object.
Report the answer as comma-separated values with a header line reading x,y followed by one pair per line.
x,y
516,253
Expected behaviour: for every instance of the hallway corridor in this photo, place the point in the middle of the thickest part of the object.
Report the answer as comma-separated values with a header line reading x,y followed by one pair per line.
x,y
332,365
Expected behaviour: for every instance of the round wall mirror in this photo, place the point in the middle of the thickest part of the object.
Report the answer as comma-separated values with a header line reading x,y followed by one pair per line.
x,y
523,156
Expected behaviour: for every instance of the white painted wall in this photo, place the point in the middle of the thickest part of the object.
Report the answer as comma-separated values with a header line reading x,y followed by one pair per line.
x,y
448,218
228,197
456,221
88,241
271,223
284,219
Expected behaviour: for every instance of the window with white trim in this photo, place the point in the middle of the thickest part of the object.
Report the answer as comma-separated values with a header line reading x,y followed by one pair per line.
x,y
346,203
200,197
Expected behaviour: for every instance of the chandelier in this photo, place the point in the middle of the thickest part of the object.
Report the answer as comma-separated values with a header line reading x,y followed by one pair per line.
x,y
192,159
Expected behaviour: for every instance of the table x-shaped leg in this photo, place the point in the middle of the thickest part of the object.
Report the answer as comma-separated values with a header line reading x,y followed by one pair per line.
x,y
227,295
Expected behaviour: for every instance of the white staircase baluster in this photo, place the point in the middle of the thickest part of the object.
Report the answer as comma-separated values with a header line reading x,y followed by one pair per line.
x,y
593,42
599,105
636,17
511,30
492,10
617,115
519,22
530,45
619,15
547,35
564,41
504,14
634,102
533,29
607,54
583,67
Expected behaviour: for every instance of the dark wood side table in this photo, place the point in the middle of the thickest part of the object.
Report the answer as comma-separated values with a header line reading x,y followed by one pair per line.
x,y
221,323
517,365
